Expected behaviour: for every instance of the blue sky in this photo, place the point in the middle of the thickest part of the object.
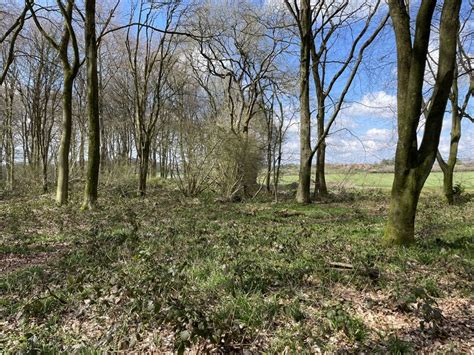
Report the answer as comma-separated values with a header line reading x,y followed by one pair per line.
x,y
365,131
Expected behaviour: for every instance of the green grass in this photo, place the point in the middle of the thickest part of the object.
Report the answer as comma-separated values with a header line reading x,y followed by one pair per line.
x,y
384,180
167,273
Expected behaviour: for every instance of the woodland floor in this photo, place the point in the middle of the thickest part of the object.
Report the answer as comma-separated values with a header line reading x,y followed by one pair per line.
x,y
169,273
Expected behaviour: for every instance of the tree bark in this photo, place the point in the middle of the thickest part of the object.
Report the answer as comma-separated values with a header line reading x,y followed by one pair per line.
x,y
10,155
320,187
413,164
306,156
143,162
401,220
93,159
62,189
9,140
44,171
448,167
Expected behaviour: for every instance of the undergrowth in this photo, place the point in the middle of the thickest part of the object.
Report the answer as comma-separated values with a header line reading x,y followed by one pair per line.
x,y
171,273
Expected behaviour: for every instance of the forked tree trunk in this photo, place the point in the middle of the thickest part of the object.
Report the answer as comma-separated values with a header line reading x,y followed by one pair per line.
x,y
69,74
413,164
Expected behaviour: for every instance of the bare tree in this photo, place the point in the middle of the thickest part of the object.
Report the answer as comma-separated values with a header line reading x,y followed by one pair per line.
x,y
149,64
330,63
70,71
459,110
10,35
241,50
39,90
326,18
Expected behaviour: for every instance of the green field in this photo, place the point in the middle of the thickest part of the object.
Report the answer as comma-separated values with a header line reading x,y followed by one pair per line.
x,y
384,180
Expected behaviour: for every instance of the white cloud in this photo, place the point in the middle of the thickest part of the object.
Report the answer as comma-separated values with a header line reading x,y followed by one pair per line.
x,y
354,8
378,104
382,134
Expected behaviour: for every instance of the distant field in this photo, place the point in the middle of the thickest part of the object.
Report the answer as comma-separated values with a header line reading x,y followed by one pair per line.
x,y
384,180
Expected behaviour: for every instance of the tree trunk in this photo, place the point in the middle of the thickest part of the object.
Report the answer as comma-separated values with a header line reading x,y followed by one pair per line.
x,y
62,188
269,168
320,187
1,155
143,162
448,185
306,156
413,164
82,162
270,152
44,171
9,142
93,159
400,228
448,167
154,166
10,157
103,147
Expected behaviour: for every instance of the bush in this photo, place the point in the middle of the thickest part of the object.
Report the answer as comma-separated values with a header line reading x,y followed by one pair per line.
x,y
458,189
238,164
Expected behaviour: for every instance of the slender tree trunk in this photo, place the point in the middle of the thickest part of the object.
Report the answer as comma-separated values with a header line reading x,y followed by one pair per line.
x,y
44,173
62,188
10,157
270,153
82,162
306,156
93,159
320,187
448,177
276,178
247,171
10,143
448,167
24,142
1,155
143,162
154,163
269,168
